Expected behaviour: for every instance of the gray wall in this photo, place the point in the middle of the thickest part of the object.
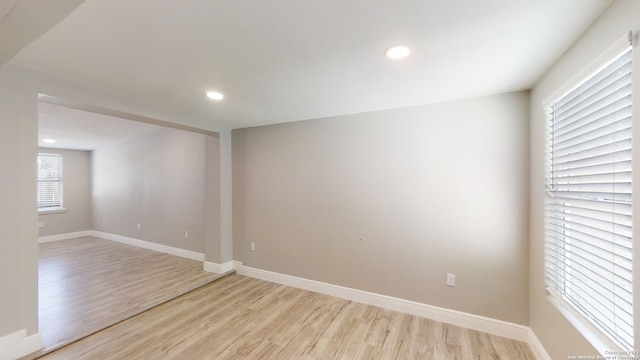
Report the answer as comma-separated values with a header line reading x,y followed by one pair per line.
x,y
557,335
391,201
18,212
76,172
212,210
157,181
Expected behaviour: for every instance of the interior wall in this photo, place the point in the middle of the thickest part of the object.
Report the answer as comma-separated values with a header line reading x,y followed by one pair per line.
x,y
391,201
225,186
213,219
76,172
157,181
18,210
558,336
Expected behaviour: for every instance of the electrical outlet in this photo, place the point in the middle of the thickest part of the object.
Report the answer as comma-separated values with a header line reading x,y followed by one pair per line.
x,y
253,246
139,226
104,222
451,279
186,234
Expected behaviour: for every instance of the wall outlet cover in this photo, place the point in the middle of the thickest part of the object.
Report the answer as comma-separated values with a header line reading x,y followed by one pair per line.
x,y
451,279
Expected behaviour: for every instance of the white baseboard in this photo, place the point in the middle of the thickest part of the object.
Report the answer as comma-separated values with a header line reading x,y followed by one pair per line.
x,y
193,255
537,348
18,344
218,268
67,236
151,245
454,317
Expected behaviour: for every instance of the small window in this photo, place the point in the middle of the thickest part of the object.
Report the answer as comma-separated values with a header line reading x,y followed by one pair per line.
x,y
49,182
588,220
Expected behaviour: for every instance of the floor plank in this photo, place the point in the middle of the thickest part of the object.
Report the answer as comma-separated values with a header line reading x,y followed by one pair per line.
x,y
237,317
87,284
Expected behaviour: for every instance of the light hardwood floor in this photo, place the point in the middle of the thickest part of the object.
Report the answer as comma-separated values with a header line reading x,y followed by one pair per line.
x,y
87,284
237,317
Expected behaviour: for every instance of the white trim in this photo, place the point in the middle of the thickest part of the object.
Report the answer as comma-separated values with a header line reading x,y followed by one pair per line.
x,y
454,317
151,246
597,337
18,344
212,267
537,348
67,236
218,268
52,210
193,255
600,62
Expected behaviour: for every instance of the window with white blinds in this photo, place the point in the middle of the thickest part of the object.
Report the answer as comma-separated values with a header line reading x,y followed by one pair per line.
x,y
49,181
588,220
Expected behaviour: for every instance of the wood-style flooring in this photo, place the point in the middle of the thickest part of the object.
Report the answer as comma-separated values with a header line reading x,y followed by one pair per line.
x,y
87,284
237,317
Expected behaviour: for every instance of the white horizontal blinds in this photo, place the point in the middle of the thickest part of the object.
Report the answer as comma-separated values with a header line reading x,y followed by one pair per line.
x,y
49,180
588,208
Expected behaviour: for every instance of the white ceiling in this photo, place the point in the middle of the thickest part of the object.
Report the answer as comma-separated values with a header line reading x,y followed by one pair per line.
x,y
288,60
82,130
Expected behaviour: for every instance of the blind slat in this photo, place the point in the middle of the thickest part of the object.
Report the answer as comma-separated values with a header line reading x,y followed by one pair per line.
x,y
622,62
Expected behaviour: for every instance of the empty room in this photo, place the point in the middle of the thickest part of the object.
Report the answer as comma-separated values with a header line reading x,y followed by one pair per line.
x,y
357,179
118,233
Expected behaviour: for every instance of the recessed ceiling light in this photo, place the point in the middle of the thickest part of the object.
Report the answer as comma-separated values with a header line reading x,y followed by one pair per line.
x,y
49,141
214,95
397,52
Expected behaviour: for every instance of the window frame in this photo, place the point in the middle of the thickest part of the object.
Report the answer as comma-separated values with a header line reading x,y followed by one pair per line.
x,y
595,335
57,208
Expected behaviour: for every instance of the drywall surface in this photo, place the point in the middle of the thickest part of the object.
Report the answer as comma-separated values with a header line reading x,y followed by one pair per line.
x,y
158,182
212,210
391,201
18,213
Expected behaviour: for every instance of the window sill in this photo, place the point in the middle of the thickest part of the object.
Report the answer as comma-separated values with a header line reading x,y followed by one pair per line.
x,y
598,338
52,210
